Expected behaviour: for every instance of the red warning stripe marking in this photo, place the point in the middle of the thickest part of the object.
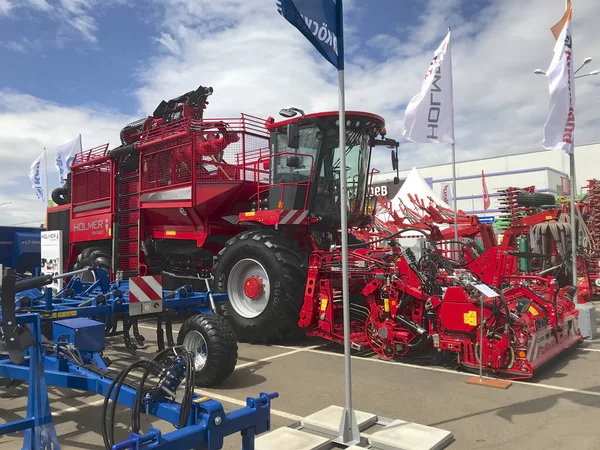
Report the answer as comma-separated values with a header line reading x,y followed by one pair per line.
x,y
145,289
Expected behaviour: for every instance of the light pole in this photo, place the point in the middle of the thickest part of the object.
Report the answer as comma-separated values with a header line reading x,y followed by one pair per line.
x,y
586,61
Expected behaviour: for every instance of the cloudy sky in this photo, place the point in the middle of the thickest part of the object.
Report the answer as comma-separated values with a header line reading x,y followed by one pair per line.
x,y
91,66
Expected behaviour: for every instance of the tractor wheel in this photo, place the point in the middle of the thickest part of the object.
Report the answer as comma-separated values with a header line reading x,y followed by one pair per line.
x,y
93,256
214,345
264,276
535,199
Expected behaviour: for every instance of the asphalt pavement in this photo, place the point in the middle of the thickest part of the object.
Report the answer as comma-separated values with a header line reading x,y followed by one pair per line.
x,y
555,410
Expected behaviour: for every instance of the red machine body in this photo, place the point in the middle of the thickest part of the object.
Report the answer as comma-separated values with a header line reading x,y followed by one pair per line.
x,y
398,306
258,201
168,186
183,193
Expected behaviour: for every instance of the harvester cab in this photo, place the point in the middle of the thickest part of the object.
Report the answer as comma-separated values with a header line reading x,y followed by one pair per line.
x,y
304,169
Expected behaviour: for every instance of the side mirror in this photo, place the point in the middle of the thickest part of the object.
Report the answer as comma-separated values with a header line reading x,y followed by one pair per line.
x,y
394,160
293,135
293,161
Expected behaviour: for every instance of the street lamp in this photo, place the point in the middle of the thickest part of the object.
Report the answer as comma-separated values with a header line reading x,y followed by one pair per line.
x,y
586,61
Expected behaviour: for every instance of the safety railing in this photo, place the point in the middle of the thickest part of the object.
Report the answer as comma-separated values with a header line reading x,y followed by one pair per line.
x,y
207,150
91,182
157,131
92,154
167,167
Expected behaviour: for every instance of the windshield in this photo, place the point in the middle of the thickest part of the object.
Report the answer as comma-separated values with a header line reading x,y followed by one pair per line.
x,y
357,161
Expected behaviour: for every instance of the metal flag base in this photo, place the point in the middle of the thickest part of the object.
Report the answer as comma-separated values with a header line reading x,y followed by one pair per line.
x,y
349,433
319,431
490,382
480,380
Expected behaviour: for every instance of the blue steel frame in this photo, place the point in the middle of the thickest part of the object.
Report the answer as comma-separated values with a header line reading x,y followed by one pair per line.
x,y
214,426
39,429
207,425
79,299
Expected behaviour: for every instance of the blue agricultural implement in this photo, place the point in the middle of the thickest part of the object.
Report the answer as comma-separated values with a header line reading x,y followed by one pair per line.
x,y
20,248
58,340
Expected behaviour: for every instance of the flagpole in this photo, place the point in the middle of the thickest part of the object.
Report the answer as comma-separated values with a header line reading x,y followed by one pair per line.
x,y
454,200
46,170
349,433
573,219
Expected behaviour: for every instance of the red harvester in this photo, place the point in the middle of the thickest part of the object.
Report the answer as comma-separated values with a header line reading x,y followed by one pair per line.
x,y
181,189
261,198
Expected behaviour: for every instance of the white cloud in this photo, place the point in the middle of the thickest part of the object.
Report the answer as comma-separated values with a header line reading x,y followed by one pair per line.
x,y
75,19
14,46
5,7
27,125
258,63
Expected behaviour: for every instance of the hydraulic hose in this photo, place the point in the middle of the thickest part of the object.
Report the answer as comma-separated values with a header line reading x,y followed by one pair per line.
x,y
108,434
186,403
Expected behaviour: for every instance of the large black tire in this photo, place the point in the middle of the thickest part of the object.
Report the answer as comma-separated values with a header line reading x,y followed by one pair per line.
x,y
285,269
93,256
61,196
219,345
535,199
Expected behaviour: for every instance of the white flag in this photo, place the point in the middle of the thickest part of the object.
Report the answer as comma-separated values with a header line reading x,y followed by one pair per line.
x,y
64,157
560,123
429,116
37,176
447,194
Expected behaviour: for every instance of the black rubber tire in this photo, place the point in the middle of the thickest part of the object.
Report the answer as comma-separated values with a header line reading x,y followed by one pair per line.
x,y
221,344
286,267
93,256
535,199
60,196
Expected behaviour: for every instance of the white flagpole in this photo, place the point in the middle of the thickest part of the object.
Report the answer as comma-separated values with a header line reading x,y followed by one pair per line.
x,y
349,432
573,219
454,193
46,170
454,202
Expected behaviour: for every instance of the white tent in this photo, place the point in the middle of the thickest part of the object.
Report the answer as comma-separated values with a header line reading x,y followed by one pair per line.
x,y
417,187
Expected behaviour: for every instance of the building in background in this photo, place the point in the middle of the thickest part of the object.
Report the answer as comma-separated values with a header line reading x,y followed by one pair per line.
x,y
548,171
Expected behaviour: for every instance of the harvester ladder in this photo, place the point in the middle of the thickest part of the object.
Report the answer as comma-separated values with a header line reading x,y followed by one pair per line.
x,y
127,246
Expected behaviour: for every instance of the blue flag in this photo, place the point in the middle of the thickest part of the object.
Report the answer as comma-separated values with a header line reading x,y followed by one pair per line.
x,y
321,22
